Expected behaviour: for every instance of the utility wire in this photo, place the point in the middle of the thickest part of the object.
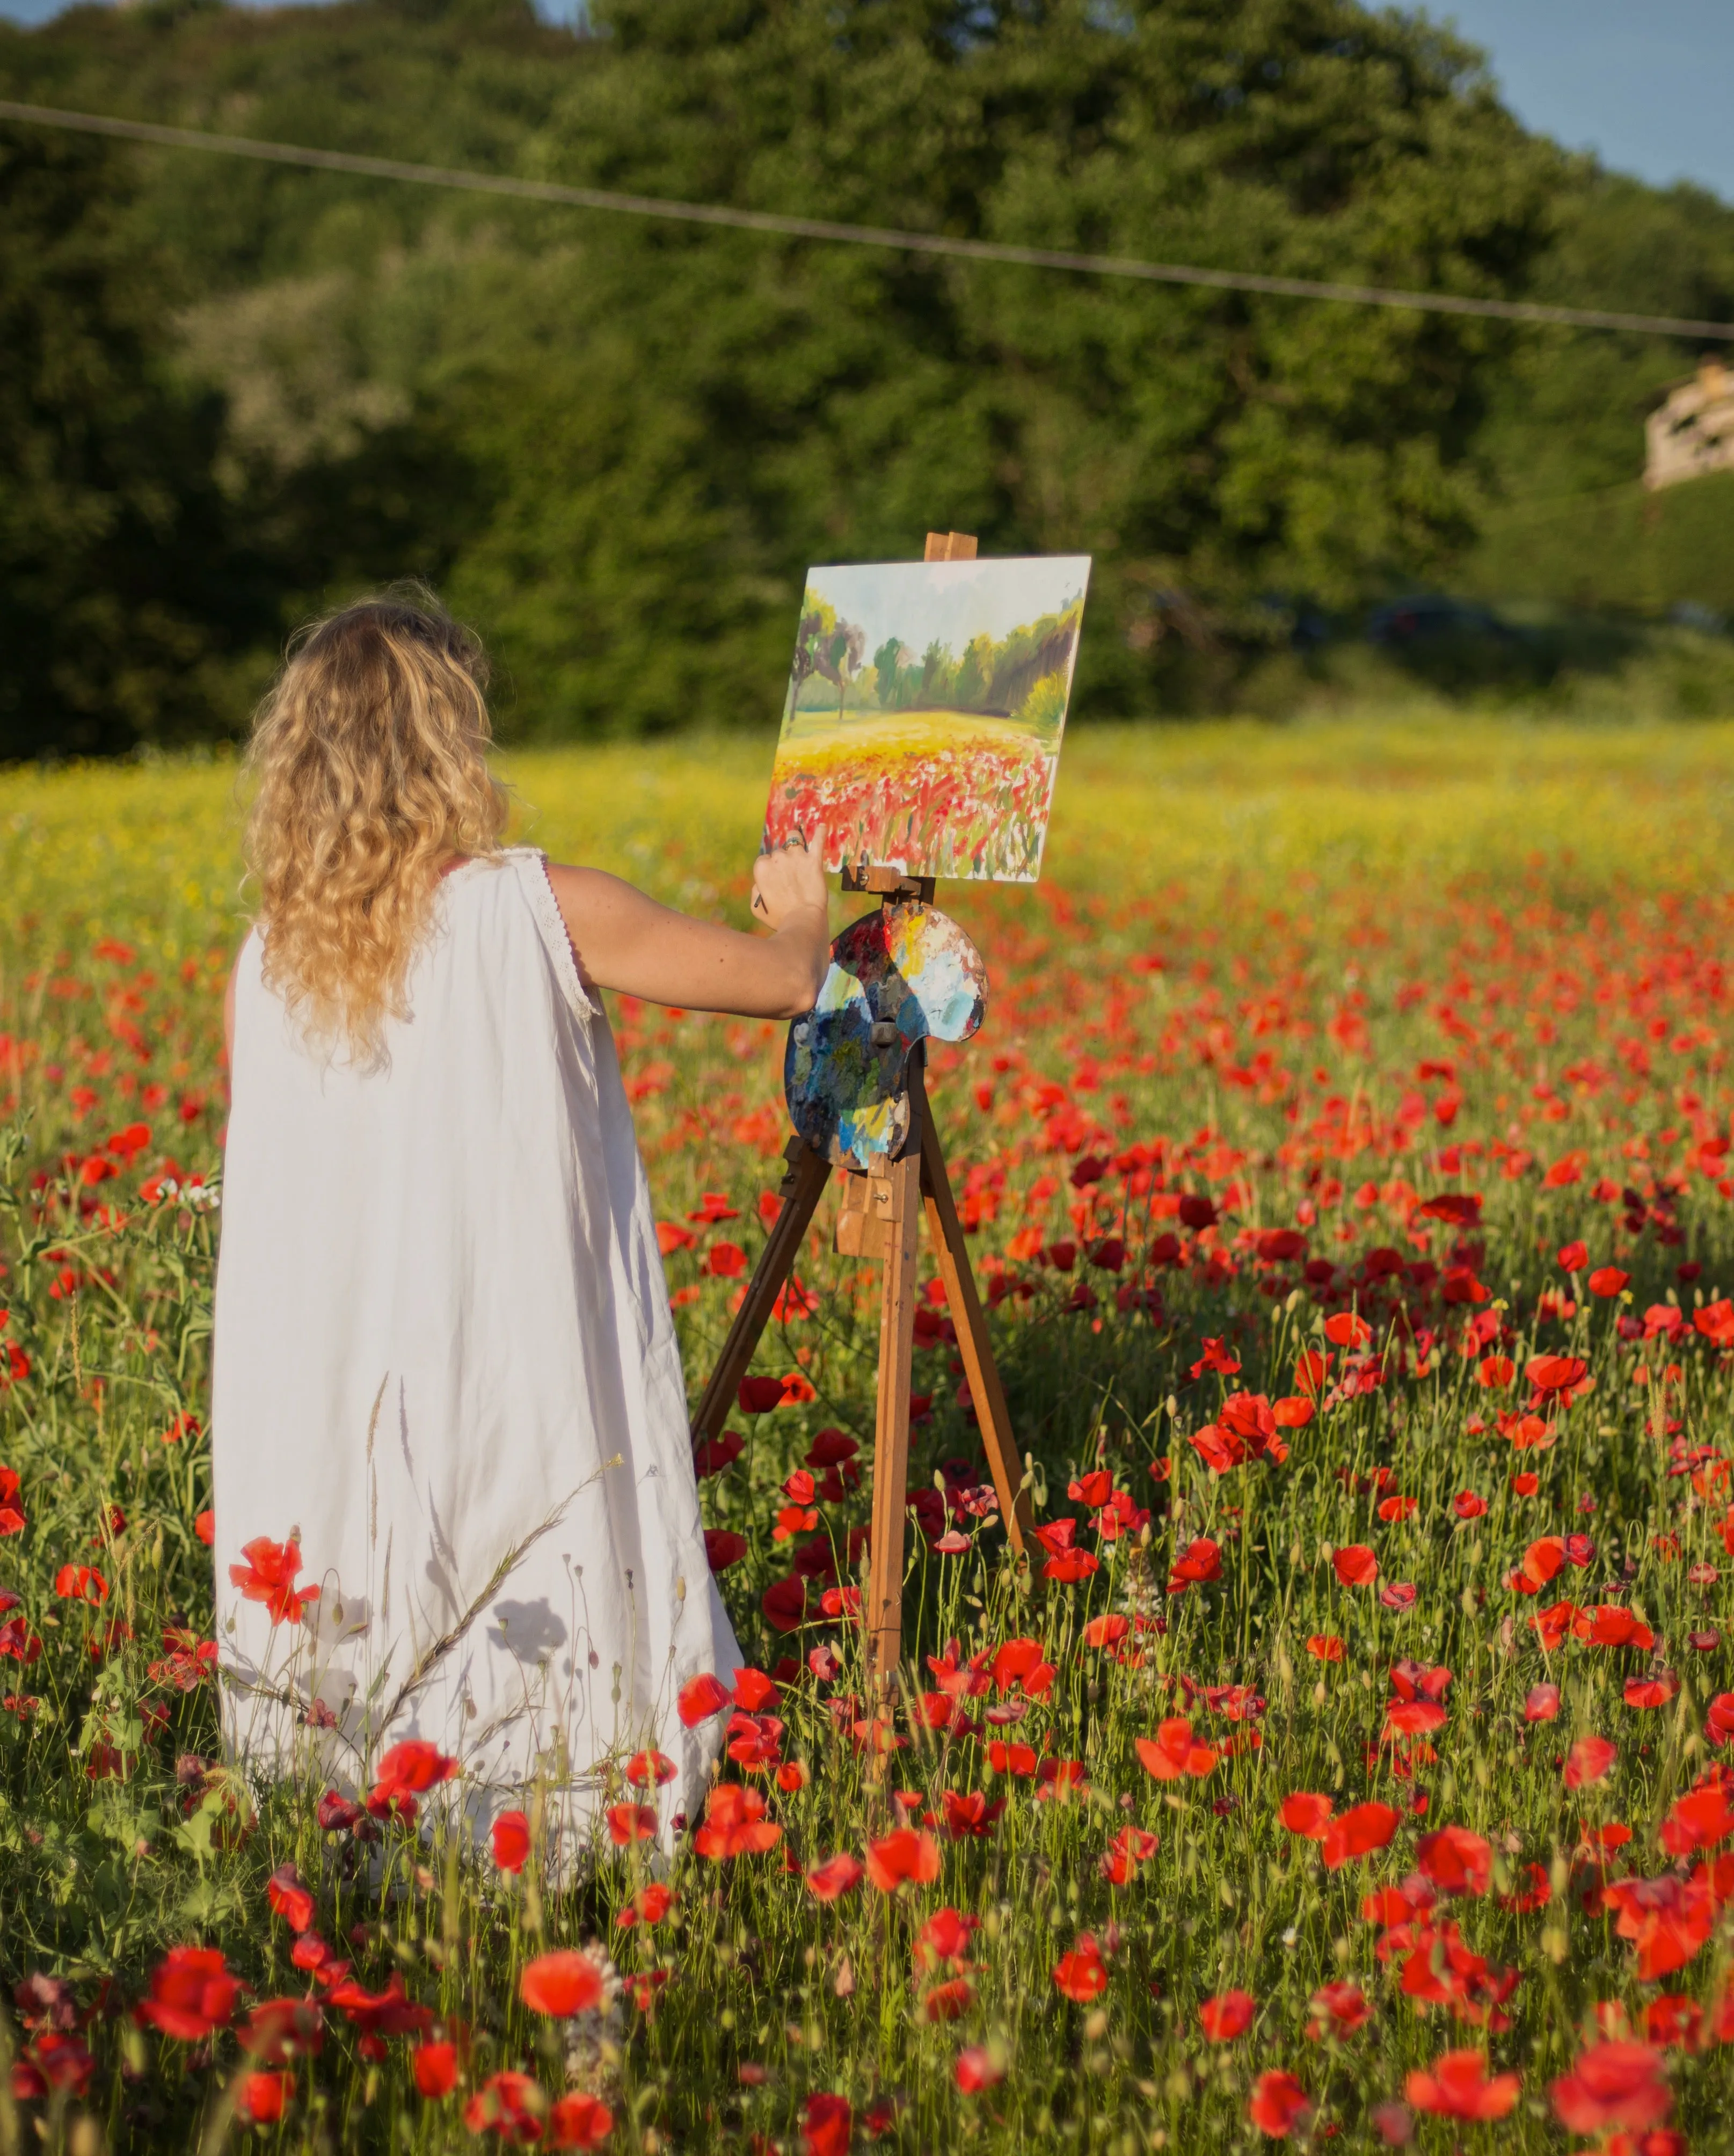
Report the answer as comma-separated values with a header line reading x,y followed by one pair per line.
x,y
853,235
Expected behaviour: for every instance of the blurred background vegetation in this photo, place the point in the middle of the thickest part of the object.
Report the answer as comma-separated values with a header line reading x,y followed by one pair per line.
x,y
231,394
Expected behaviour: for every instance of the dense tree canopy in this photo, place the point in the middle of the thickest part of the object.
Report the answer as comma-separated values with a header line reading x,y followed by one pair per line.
x,y
619,444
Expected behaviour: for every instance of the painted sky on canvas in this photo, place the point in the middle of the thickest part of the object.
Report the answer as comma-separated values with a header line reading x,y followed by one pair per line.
x,y
949,602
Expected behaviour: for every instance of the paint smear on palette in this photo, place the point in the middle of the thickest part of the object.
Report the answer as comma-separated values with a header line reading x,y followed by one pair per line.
x,y
903,975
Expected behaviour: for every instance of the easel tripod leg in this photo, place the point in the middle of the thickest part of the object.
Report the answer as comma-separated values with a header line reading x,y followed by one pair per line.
x,y
890,1450
992,1415
802,1189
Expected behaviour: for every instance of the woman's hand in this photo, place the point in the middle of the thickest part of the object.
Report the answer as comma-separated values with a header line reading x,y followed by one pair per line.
x,y
788,878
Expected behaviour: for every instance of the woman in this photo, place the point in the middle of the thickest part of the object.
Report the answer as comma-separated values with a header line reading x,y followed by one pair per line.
x,y
455,1497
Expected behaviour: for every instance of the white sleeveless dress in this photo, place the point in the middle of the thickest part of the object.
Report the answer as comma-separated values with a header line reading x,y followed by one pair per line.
x,y
444,1361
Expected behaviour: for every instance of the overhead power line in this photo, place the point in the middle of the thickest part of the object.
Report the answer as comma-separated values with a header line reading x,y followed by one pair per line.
x,y
854,236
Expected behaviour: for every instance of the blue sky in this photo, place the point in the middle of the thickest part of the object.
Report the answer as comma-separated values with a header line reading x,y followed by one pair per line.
x,y
1645,84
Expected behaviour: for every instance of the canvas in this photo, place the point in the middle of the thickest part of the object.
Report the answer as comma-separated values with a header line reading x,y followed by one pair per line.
x,y
925,704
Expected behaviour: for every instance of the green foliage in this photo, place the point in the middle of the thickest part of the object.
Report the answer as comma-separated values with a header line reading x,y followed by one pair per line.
x,y
118,598
619,444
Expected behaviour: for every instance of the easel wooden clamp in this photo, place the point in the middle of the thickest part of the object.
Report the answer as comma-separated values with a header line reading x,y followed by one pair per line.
x,y
879,1214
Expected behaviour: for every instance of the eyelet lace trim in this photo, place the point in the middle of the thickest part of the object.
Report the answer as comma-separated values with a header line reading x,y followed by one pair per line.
x,y
551,922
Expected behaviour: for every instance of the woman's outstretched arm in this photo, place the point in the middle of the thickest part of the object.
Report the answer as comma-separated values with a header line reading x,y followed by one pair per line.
x,y
628,941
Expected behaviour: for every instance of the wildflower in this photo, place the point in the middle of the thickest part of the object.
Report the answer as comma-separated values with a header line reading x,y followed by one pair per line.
x,y
1195,1566
1590,1760
562,1984
734,1824
1306,1813
290,1898
1457,1862
830,2126
834,1877
1357,1833
279,2029
1355,1566
976,2070
512,2105
269,1576
12,1520
700,1697
1228,2015
1325,1647
435,2069
579,2120
1171,1754
260,2098
1457,2086
192,1994
1337,2010
1279,2106
1080,1975
904,1855
510,1838
629,1823
1611,2086
971,1816
407,1771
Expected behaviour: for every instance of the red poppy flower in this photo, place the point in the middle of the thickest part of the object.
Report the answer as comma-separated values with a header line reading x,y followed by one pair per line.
x,y
290,1898
1337,2010
1279,2106
435,2069
970,1817
1455,1861
579,2120
561,1984
1612,2085
1305,1813
784,1602
279,2029
734,1824
1468,1506
1196,1565
510,1836
723,1547
1607,1281
1541,1703
1357,1833
1590,1760
192,1994
834,1877
1080,1975
269,1576
515,2105
1325,1647
904,1856
976,2070
407,1771
1698,1820
1229,2014
1172,1753
830,2126
650,1769
631,1822
260,2098
1355,1565
1457,2086
701,1697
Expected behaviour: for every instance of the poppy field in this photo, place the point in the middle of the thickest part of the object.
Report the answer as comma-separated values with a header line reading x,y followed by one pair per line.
x,y
1346,1163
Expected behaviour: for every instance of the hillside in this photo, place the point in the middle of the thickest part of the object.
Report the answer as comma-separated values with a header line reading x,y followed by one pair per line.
x,y
617,446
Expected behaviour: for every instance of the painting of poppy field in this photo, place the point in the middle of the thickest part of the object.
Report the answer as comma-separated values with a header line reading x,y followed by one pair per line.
x,y
925,705
1350,1179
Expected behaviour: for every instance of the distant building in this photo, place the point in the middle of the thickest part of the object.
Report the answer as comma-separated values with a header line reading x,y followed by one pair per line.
x,y
1692,432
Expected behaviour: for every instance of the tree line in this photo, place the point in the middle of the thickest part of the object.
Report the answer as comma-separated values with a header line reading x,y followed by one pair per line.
x,y
230,394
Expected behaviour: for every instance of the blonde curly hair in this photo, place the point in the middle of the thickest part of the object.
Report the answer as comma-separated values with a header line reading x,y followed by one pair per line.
x,y
371,759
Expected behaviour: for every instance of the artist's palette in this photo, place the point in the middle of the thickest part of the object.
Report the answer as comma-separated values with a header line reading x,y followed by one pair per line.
x,y
903,975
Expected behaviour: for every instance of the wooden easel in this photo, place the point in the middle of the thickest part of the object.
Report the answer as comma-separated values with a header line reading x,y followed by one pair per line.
x,y
879,1216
